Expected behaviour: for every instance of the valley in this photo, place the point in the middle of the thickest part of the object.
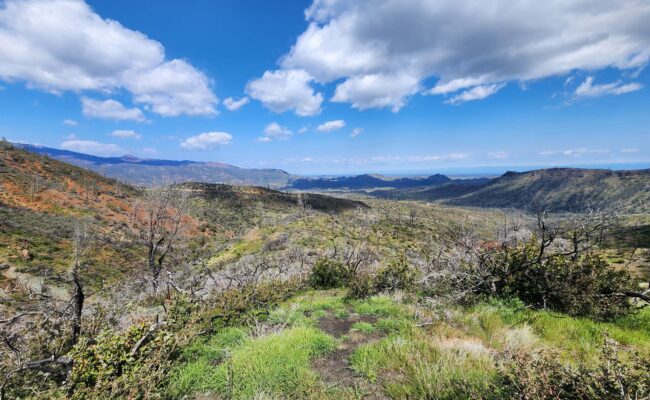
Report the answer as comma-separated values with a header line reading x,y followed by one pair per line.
x,y
372,286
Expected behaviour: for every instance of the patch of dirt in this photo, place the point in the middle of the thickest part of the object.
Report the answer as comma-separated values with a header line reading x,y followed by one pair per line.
x,y
334,368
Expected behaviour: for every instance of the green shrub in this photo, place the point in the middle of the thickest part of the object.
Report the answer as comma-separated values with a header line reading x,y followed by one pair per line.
x,y
584,286
361,286
397,275
328,274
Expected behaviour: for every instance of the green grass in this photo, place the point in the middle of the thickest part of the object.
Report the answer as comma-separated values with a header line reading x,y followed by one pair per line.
x,y
276,365
381,306
363,327
578,339
454,358
425,369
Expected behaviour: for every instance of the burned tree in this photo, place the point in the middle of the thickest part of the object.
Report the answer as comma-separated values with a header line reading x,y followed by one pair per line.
x,y
36,342
158,221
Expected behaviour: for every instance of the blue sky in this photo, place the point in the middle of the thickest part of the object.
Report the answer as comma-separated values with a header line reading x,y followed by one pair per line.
x,y
331,86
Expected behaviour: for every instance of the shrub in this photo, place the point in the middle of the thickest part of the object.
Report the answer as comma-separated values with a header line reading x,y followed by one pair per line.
x,y
397,275
539,375
328,274
584,286
361,286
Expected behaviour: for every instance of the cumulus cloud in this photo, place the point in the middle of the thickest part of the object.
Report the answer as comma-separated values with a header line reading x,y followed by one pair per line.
x,y
286,90
63,45
330,126
92,147
126,134
70,122
376,91
275,131
234,105
356,132
381,52
588,89
110,109
173,88
476,93
206,141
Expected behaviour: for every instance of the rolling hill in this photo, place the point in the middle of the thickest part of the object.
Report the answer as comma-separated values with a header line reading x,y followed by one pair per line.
x,y
554,189
42,200
144,172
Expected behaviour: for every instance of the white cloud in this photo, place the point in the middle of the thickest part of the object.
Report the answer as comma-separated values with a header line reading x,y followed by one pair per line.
x,y
579,152
356,132
286,90
110,109
303,129
234,105
126,134
150,151
92,147
588,89
377,91
63,45
500,155
383,160
206,141
275,131
630,150
70,122
476,93
330,126
173,88
380,52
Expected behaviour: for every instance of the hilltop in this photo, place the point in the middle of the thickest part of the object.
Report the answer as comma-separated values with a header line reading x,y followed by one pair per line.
x,y
554,189
144,172
366,181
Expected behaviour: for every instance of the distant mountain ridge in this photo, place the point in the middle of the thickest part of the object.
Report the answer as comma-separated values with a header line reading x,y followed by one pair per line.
x,y
553,189
367,181
144,172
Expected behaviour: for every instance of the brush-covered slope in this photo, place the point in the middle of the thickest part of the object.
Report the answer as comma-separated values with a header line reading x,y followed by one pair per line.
x,y
144,172
564,189
42,200
251,196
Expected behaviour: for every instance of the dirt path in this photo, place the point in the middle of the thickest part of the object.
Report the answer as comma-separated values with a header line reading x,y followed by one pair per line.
x,y
335,368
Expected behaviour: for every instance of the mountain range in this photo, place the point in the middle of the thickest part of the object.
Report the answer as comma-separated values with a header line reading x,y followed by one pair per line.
x,y
145,172
552,189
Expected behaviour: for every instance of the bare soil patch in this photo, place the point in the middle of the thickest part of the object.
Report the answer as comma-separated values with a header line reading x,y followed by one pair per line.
x,y
334,368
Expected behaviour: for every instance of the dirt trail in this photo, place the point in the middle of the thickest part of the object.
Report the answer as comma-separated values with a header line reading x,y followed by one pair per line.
x,y
335,368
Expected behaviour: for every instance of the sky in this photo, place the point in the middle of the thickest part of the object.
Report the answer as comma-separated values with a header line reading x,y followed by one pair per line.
x,y
332,86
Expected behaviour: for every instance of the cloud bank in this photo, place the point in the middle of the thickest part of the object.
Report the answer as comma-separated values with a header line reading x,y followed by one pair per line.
x,y
379,53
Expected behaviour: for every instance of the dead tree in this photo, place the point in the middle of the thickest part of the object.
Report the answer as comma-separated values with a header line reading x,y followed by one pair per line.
x,y
158,221
80,247
21,333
